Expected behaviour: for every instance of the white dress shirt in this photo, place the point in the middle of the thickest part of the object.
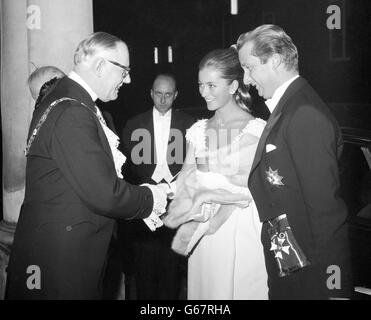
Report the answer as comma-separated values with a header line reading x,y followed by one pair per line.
x,y
277,95
161,126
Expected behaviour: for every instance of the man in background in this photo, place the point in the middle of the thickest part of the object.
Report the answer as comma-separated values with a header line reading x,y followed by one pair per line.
x,y
41,80
157,269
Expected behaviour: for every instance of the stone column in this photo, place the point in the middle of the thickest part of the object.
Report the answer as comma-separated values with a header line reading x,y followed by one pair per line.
x,y
33,33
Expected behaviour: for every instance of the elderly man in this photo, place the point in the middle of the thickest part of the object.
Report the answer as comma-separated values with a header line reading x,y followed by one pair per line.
x,y
294,178
74,185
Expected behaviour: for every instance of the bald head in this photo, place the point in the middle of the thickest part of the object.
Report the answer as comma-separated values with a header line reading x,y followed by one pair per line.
x,y
40,76
165,77
164,92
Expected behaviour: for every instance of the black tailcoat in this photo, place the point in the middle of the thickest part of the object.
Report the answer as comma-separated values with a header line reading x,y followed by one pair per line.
x,y
307,142
72,194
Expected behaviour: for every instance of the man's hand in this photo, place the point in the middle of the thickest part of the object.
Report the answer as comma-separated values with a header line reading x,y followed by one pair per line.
x,y
161,191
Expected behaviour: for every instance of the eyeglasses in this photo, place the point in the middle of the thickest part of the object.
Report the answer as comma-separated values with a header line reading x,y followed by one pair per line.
x,y
125,70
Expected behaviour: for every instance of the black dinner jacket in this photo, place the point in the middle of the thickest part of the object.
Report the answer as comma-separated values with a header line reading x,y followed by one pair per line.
x,y
142,173
307,142
72,193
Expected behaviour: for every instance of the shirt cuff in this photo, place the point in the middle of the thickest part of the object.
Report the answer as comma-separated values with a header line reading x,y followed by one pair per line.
x,y
159,206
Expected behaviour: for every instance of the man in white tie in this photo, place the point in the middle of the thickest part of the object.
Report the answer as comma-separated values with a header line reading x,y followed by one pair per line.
x,y
294,178
157,157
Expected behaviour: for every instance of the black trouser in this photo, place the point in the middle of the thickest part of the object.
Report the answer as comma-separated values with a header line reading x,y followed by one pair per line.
x,y
148,257
158,270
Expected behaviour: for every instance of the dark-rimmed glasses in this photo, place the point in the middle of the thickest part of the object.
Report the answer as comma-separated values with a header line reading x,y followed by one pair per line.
x,y
125,69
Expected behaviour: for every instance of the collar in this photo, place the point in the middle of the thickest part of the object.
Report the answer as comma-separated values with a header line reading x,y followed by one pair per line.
x,y
272,102
75,77
158,115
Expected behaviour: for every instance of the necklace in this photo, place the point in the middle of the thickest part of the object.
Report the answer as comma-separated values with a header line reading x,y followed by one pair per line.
x,y
219,121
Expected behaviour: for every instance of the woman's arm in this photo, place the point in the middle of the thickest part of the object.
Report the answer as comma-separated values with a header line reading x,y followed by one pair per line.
x,y
184,191
217,196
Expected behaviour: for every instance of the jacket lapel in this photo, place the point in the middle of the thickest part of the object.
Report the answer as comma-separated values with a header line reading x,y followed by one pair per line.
x,y
147,123
274,117
69,88
174,123
268,128
79,93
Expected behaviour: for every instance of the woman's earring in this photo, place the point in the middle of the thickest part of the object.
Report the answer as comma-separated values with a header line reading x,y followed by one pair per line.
x,y
234,87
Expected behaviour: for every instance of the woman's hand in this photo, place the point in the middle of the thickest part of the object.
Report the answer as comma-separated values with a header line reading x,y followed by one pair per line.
x,y
203,208
204,203
177,212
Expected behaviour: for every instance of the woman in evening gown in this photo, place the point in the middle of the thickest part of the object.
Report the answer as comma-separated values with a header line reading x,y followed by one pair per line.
x,y
217,220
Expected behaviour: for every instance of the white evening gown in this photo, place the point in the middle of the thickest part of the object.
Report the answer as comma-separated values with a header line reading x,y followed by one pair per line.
x,y
229,264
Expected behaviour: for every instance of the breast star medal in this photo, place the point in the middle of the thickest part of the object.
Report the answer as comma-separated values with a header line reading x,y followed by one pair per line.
x,y
274,178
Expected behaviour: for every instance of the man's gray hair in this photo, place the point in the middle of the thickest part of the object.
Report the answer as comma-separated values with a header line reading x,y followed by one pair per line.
x,y
95,42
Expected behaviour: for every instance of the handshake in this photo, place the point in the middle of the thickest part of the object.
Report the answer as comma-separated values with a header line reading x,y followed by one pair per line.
x,y
161,192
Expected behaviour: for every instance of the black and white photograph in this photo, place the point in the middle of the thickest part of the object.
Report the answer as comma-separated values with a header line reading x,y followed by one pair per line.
x,y
183,155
